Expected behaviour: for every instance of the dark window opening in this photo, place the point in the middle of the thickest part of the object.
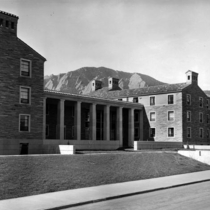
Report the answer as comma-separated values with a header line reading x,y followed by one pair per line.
x,y
170,99
152,132
12,25
170,132
188,77
1,22
24,123
135,100
152,100
7,23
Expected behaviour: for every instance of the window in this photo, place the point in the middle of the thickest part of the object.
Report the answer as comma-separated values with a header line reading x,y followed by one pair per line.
x,y
12,25
200,101
47,130
1,22
201,132
135,100
152,100
207,119
25,68
188,116
188,99
7,24
24,122
170,99
207,134
189,132
136,117
170,132
207,103
25,95
200,117
152,116
152,132
171,116
188,77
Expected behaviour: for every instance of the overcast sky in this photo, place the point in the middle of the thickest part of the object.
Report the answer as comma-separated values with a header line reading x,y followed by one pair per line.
x,y
160,38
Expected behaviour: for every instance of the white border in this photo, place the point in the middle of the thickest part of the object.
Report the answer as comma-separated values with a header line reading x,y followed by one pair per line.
x,y
174,95
28,120
167,132
150,116
168,116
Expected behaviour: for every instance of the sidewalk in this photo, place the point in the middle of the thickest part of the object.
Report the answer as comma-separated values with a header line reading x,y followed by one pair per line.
x,y
69,198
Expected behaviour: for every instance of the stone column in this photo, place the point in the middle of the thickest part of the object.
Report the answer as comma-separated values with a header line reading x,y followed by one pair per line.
x,y
61,108
93,121
44,117
107,123
78,120
131,127
141,125
119,126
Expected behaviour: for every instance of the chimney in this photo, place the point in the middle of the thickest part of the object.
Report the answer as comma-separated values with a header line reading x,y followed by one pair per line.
x,y
96,84
113,83
8,23
191,77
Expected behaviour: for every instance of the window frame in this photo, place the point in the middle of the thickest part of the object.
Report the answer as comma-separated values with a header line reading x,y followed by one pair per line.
x,y
201,104
29,95
172,111
189,99
173,132
201,129
150,116
200,119
173,99
29,123
190,118
154,100
189,137
30,67
150,133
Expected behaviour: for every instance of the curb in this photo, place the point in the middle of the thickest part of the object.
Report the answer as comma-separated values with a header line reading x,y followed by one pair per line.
x,y
125,195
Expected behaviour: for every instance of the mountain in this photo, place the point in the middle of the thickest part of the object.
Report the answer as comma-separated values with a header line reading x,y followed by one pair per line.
x,y
78,81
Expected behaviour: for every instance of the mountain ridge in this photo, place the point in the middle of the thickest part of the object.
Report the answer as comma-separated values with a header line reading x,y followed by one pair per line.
x,y
78,81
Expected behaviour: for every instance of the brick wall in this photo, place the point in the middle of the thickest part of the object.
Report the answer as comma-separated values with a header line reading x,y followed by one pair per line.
x,y
195,92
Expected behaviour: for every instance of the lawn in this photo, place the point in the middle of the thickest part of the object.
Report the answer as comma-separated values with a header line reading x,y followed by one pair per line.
x,y
30,175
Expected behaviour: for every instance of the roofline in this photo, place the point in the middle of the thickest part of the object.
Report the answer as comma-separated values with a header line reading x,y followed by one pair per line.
x,y
9,14
43,58
125,103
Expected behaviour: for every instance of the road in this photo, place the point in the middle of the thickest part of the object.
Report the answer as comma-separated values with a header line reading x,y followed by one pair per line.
x,y
193,197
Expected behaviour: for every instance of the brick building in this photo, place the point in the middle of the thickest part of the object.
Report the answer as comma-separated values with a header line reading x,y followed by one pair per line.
x,y
173,112
21,91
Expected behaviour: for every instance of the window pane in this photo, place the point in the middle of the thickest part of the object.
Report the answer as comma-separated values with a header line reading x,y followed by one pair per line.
x,y
171,116
152,100
170,99
24,123
25,68
24,95
170,132
152,132
152,116
188,116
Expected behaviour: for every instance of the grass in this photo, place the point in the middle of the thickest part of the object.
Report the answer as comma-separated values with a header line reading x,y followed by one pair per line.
x,y
30,175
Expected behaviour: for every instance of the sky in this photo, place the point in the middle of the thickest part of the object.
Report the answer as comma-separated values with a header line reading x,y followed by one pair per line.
x,y
159,38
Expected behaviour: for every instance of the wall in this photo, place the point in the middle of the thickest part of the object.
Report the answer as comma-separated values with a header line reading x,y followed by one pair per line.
x,y
195,93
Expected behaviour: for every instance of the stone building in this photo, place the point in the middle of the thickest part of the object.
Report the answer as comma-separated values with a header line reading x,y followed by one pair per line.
x,y
36,121
173,112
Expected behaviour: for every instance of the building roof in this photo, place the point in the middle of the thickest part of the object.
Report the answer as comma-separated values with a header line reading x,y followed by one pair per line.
x,y
152,90
9,14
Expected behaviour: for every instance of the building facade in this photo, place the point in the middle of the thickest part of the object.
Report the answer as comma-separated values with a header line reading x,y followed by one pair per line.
x,y
173,112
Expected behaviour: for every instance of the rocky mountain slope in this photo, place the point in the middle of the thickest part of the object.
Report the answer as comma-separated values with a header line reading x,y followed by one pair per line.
x,y
78,81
